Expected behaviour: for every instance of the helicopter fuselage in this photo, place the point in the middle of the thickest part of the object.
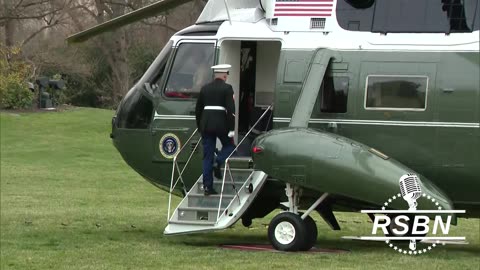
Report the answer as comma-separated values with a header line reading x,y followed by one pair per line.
x,y
413,96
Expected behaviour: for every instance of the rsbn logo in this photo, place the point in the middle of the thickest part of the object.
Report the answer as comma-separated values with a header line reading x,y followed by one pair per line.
x,y
411,226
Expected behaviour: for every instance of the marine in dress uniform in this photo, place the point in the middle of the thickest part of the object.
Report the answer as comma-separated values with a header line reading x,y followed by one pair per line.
x,y
215,115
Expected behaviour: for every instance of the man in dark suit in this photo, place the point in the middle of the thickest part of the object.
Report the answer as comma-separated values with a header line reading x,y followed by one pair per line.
x,y
215,115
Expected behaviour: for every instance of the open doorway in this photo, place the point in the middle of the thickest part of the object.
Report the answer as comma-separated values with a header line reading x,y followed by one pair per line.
x,y
253,77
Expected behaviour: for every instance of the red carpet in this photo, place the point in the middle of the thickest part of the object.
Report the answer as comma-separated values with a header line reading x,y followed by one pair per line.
x,y
253,247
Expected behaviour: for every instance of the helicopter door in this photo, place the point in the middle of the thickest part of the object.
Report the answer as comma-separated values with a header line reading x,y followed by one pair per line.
x,y
253,77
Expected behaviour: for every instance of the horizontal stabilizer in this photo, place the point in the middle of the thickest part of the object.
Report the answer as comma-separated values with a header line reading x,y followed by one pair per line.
x,y
134,16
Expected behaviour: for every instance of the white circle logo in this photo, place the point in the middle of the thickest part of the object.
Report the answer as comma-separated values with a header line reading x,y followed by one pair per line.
x,y
403,229
416,251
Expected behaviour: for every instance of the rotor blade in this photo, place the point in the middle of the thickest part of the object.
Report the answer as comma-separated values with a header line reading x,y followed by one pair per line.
x,y
139,14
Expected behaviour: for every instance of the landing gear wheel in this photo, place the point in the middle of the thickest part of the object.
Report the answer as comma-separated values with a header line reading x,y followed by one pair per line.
x,y
287,232
312,233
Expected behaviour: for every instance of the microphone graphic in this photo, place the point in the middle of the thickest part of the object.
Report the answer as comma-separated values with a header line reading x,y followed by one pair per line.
x,y
411,191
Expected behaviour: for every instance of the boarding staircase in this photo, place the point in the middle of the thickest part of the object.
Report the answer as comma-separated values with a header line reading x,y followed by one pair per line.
x,y
199,213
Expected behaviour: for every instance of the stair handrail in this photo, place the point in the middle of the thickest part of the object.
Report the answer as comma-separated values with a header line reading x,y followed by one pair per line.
x,y
176,167
227,163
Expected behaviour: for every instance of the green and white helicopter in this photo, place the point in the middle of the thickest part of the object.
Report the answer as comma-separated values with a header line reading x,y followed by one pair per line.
x,y
336,101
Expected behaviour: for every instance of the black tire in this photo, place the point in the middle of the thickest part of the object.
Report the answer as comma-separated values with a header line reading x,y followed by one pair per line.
x,y
283,223
312,233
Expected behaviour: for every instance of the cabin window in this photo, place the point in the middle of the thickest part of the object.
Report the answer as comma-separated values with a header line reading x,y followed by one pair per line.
x,y
409,16
191,69
396,92
334,93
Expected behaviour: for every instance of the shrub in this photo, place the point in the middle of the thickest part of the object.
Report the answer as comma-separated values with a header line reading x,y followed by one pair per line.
x,y
14,92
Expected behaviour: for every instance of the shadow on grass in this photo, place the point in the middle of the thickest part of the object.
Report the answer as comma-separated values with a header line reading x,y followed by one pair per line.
x,y
229,237
217,239
237,236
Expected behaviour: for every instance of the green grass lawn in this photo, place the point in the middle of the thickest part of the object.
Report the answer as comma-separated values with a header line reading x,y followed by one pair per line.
x,y
68,201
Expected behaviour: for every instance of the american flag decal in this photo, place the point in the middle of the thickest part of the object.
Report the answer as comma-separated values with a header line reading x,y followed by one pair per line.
x,y
303,8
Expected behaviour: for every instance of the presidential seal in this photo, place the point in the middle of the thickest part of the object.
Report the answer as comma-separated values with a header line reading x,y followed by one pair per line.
x,y
169,145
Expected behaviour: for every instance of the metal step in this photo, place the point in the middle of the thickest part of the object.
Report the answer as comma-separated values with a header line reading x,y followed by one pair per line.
x,y
198,214
182,222
217,185
241,162
241,159
211,201
238,175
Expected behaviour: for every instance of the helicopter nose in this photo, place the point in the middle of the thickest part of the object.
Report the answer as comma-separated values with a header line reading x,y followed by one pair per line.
x,y
131,135
113,127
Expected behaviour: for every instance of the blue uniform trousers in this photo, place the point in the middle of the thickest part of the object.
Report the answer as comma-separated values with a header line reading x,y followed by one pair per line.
x,y
209,140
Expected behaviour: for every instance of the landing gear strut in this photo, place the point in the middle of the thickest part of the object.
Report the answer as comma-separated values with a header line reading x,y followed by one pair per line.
x,y
291,230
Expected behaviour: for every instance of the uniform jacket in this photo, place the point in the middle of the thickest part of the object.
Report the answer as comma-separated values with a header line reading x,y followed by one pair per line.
x,y
216,93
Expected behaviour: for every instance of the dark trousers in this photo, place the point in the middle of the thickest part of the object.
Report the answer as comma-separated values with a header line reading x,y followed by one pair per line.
x,y
209,141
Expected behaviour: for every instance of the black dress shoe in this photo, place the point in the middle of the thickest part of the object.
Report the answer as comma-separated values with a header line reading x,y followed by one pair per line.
x,y
210,192
217,172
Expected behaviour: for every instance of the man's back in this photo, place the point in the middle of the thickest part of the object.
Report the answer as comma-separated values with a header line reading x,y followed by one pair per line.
x,y
215,118
215,107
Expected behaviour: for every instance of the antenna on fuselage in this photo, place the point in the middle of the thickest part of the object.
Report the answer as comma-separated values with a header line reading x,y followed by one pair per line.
x,y
228,11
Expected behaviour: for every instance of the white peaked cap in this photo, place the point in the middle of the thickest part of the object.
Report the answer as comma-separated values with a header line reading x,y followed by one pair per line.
x,y
223,68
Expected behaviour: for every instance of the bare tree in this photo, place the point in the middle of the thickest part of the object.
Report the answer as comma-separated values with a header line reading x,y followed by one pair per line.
x,y
15,15
39,26
116,44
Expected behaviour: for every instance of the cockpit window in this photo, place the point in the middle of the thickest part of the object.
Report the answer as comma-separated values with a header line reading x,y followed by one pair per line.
x,y
155,72
191,70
